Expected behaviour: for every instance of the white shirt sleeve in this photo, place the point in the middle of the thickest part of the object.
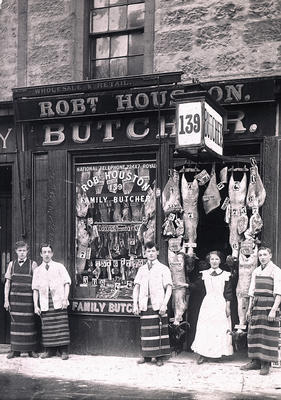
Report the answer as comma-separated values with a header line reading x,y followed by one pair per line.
x,y
252,284
277,281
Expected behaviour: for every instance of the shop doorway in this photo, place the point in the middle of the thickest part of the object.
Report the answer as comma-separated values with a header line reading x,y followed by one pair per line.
x,y
5,241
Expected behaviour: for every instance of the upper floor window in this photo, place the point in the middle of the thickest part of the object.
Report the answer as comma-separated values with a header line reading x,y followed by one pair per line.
x,y
116,38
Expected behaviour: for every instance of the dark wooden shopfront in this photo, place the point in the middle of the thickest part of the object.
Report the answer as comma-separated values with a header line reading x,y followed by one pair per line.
x,y
66,131
9,202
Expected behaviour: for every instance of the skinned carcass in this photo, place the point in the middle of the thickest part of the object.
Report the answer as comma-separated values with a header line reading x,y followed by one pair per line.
x,y
211,198
236,212
190,192
180,293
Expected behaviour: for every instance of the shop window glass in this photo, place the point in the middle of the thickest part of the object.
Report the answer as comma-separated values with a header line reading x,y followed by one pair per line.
x,y
116,30
112,204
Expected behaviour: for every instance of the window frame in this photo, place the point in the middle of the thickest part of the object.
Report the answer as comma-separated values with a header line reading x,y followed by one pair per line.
x,y
147,29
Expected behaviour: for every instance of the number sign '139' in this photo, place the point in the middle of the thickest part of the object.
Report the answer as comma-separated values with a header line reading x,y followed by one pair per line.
x,y
189,123
199,125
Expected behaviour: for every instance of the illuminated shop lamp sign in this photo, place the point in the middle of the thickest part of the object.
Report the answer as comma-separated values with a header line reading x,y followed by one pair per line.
x,y
199,124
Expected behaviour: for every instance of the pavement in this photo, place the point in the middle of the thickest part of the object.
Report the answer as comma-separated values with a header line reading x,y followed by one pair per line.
x,y
179,374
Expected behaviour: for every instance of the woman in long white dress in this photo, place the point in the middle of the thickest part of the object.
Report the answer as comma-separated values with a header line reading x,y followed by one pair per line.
x,y
213,332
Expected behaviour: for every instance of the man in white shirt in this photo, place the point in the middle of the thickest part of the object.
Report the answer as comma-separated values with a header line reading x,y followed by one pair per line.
x,y
50,284
152,291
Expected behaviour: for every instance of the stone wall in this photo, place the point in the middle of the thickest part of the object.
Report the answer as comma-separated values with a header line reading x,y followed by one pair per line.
x,y
8,48
218,39
37,42
43,44
50,41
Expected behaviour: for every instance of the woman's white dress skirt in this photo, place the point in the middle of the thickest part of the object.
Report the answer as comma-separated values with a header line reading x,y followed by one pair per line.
x,y
213,332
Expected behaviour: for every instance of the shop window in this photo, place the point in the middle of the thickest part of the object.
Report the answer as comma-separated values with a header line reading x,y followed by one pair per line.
x,y
114,216
116,38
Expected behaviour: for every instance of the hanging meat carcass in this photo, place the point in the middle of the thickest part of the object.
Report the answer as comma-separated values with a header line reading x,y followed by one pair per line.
x,y
248,261
190,192
126,213
180,293
223,175
255,199
236,210
149,206
256,192
136,209
83,240
105,211
149,232
211,198
116,215
82,205
171,195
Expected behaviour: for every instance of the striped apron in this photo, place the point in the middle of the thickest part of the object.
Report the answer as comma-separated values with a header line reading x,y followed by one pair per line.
x,y
23,330
263,335
55,327
154,333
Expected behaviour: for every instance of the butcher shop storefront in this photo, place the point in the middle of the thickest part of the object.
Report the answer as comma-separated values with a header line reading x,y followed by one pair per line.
x,y
105,172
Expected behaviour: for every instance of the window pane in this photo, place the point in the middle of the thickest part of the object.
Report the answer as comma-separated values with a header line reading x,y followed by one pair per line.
x,y
136,44
118,67
101,69
100,3
117,18
102,47
111,2
135,15
135,65
119,46
100,21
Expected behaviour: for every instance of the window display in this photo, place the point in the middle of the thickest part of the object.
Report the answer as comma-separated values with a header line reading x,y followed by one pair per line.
x,y
115,215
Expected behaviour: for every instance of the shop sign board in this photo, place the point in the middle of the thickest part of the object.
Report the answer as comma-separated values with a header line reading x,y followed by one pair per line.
x,y
102,307
198,126
7,138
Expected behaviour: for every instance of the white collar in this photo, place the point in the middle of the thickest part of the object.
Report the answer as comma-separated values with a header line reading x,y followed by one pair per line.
x,y
217,271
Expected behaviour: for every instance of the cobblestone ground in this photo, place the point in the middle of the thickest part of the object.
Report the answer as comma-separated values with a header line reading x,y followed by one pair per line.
x,y
96,377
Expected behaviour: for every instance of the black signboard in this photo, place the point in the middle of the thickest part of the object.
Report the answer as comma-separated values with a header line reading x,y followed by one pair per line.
x,y
102,307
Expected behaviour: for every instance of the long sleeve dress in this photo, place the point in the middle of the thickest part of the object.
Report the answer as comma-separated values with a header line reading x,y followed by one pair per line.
x,y
212,338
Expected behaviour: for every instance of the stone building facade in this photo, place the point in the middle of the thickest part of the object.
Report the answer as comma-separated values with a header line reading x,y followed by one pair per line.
x,y
87,93
43,41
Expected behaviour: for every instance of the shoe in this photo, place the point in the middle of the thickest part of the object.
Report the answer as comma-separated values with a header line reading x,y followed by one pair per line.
x,y
13,354
254,364
64,356
46,354
143,360
159,362
33,354
201,359
264,368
